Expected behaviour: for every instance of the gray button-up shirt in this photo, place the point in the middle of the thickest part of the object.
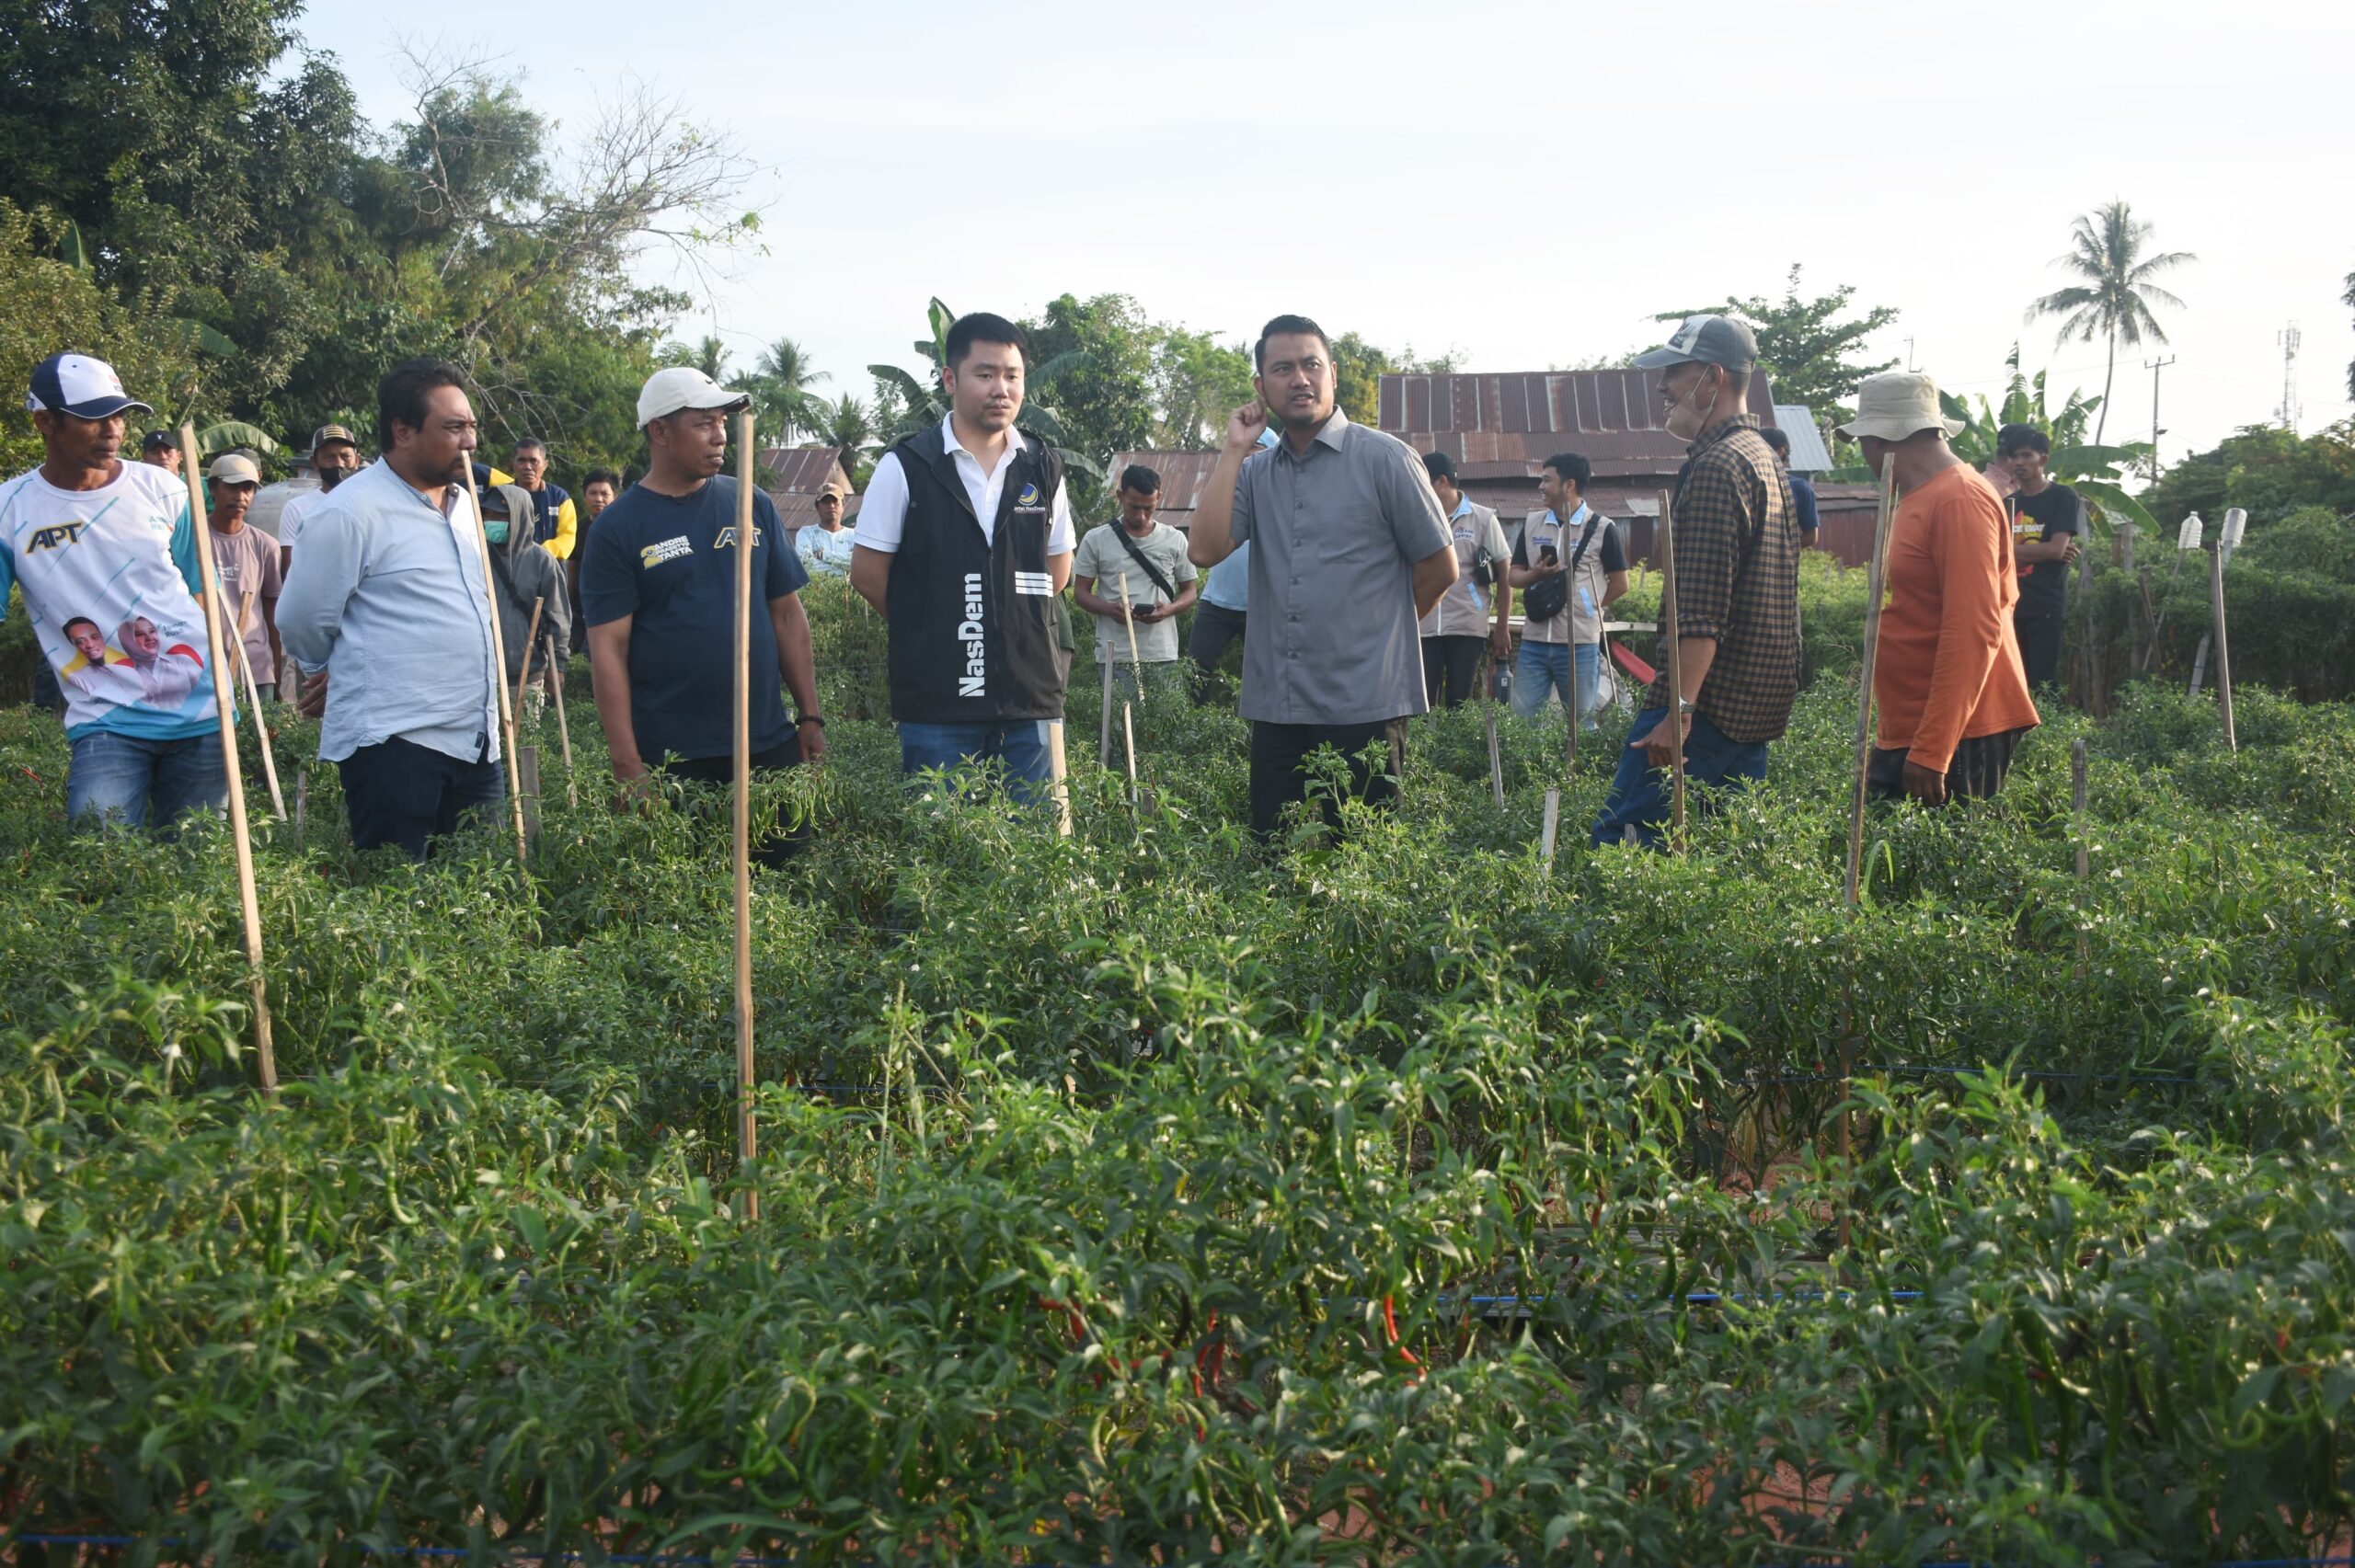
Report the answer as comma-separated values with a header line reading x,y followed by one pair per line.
x,y
386,595
1335,536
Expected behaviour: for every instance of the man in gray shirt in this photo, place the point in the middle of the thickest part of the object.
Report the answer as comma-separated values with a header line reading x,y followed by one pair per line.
x,y
387,614
1350,550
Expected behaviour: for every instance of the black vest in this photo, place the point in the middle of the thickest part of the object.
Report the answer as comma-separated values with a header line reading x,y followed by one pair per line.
x,y
974,623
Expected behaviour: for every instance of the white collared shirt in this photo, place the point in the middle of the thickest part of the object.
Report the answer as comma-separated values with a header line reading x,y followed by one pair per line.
x,y
883,512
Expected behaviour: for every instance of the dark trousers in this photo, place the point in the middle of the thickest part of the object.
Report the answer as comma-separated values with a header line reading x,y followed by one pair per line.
x,y
397,791
1215,628
1977,771
1449,665
773,850
2040,639
1279,773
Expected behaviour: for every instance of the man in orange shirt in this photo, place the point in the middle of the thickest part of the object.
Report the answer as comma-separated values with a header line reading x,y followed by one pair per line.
x,y
1953,696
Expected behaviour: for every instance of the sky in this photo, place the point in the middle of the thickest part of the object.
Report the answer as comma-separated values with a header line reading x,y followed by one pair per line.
x,y
1521,184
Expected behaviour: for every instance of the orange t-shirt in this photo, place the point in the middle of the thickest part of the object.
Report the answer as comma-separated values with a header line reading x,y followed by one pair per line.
x,y
1948,669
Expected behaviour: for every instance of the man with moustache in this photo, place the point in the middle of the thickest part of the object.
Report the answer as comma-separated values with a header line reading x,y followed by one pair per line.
x,y
387,615
335,457
247,560
964,547
1350,549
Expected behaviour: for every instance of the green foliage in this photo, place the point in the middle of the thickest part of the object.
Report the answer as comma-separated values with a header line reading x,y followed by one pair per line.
x,y
2096,472
1810,357
1095,359
2270,471
1197,382
1358,367
908,405
1393,1200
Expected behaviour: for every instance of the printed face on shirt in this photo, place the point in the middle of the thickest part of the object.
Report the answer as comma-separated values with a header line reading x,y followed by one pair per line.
x,y
986,390
146,642
1297,381
87,640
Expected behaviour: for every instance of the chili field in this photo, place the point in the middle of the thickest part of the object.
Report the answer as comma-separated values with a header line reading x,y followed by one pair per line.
x,y
1138,1198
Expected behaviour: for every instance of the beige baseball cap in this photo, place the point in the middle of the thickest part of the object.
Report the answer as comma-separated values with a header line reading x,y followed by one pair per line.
x,y
234,468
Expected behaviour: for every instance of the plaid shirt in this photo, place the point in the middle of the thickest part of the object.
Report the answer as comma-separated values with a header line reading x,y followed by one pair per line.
x,y
1737,581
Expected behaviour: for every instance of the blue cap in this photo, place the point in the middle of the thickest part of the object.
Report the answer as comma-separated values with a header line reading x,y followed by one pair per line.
x,y
79,386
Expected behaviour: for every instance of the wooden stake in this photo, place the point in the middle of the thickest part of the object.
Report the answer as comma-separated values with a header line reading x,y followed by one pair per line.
x,y
1666,538
1553,824
2223,649
1058,775
224,705
531,641
747,1133
253,695
563,732
1489,721
1104,730
2084,865
1882,520
1136,674
302,799
499,663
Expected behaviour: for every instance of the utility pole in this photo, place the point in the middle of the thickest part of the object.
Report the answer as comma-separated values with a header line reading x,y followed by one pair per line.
x,y
2155,367
2288,411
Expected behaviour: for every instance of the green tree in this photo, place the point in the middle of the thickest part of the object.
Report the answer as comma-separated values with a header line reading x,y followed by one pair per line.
x,y
2112,301
1810,356
912,403
1196,382
2270,470
2096,472
2350,297
785,404
1093,364
1358,367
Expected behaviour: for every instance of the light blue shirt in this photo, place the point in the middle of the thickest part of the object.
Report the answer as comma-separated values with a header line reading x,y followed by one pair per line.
x,y
386,595
1229,583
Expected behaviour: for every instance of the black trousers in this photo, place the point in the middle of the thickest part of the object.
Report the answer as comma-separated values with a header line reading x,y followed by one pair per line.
x,y
776,848
1279,754
397,791
2040,639
1976,772
1450,666
1215,629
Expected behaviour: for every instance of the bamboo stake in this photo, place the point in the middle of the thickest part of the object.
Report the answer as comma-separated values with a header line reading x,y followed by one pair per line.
x,y
747,1133
1489,721
1882,520
301,799
563,733
499,663
2223,649
225,706
2078,791
1674,720
1553,824
1058,775
531,641
1136,674
253,695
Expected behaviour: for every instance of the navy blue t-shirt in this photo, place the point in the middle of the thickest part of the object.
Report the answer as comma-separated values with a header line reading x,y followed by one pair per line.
x,y
669,563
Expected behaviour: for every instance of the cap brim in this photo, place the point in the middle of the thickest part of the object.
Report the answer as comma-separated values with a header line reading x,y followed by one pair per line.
x,y
1891,429
1661,358
105,407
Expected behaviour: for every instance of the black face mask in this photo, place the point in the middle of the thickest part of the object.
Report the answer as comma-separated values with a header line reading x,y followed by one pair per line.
x,y
330,477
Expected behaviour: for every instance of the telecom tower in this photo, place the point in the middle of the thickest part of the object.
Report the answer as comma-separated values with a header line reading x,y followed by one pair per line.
x,y
2288,412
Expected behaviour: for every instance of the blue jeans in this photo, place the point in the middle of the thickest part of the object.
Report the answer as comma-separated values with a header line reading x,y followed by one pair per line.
x,y
1639,792
132,782
1017,746
1543,669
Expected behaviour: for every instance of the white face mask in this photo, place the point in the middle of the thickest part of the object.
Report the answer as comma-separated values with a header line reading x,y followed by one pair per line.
x,y
1687,420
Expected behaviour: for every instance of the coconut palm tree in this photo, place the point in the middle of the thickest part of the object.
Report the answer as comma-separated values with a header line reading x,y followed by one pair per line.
x,y
2113,302
782,381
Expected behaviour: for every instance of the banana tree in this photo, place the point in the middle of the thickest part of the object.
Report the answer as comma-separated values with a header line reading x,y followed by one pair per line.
x,y
2092,469
922,403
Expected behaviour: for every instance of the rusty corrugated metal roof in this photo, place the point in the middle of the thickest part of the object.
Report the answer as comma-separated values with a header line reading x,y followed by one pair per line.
x,y
802,469
1503,425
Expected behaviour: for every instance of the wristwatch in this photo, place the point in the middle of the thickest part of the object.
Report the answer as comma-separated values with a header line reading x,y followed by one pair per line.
x,y
809,718
1683,707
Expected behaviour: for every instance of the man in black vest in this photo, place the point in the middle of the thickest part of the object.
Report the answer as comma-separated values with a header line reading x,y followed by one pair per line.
x,y
964,546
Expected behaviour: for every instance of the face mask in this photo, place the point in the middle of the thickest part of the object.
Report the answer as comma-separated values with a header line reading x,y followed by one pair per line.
x,y
1685,421
495,530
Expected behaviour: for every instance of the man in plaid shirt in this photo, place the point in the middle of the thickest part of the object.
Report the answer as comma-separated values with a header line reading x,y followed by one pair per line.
x,y
1737,585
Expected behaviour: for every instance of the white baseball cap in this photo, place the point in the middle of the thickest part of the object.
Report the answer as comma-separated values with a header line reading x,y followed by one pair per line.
x,y
79,386
234,468
683,386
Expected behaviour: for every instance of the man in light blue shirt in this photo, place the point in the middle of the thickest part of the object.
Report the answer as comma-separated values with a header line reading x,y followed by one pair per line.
x,y
386,612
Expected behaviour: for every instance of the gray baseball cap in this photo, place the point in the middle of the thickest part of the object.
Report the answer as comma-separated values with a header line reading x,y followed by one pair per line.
x,y
1711,339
